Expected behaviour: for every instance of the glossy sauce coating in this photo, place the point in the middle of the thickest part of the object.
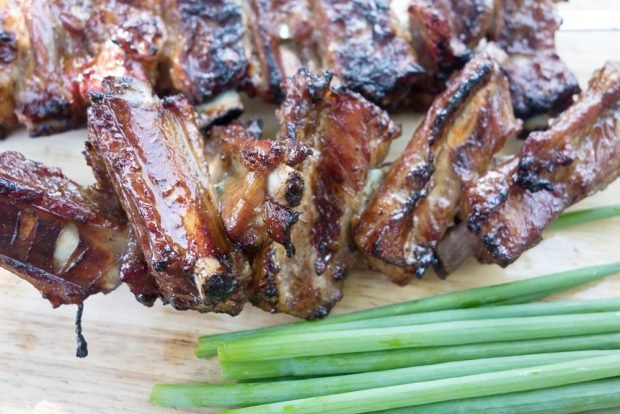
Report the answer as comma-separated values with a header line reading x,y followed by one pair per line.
x,y
510,206
154,157
418,200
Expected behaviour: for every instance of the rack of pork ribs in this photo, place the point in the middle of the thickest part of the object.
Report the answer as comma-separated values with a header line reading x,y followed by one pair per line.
x,y
397,54
206,213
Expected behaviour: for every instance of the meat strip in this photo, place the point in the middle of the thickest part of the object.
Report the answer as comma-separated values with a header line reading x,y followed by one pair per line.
x,y
348,136
509,207
418,200
153,153
64,239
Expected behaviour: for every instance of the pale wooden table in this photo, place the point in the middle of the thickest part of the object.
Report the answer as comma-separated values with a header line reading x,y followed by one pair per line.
x,y
132,347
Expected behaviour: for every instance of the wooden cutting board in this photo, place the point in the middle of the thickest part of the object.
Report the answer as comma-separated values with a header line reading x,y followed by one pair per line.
x,y
132,347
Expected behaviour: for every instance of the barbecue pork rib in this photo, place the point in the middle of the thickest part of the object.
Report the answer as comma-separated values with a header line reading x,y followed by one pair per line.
x,y
509,207
257,184
64,239
206,54
348,136
444,33
360,42
283,40
10,27
153,154
540,82
64,49
418,200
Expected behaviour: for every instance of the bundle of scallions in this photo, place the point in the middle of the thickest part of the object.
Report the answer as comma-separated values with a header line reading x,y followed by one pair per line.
x,y
484,350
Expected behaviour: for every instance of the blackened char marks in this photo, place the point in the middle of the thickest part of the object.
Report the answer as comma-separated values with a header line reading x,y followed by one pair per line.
x,y
509,208
359,43
259,187
207,55
540,82
411,211
348,136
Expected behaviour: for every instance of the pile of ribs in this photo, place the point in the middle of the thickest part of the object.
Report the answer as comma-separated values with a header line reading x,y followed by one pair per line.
x,y
398,54
205,212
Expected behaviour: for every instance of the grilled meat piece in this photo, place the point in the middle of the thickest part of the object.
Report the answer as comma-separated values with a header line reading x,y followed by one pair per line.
x,y
258,185
510,206
283,39
66,47
348,136
153,153
66,240
540,82
133,268
360,43
445,32
206,54
418,200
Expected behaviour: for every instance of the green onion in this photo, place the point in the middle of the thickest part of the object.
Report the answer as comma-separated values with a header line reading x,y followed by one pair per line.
x,y
232,395
479,385
490,312
585,216
566,399
550,284
382,360
435,334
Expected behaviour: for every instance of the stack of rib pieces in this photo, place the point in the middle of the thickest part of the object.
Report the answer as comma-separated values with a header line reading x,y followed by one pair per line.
x,y
202,222
207,213
397,53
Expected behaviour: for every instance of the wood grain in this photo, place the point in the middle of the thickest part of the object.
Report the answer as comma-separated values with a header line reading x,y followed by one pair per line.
x,y
132,347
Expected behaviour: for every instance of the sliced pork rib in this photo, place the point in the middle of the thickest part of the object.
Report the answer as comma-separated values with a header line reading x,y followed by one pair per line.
x,y
418,200
67,46
359,42
154,156
206,54
257,183
510,206
64,239
540,82
348,136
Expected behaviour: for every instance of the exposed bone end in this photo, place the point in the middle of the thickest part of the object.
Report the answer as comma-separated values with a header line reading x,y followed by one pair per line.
x,y
66,244
216,285
285,186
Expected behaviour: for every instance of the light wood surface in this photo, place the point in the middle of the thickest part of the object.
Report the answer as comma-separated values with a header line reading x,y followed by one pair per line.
x,y
132,347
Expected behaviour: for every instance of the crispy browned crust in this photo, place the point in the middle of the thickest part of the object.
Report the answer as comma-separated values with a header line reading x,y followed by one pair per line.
x,y
509,208
38,204
65,48
153,153
358,41
412,209
258,185
206,53
540,82
348,136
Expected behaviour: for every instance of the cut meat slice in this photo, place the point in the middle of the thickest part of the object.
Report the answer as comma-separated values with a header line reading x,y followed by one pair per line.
x,y
409,214
153,154
510,206
66,240
348,136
